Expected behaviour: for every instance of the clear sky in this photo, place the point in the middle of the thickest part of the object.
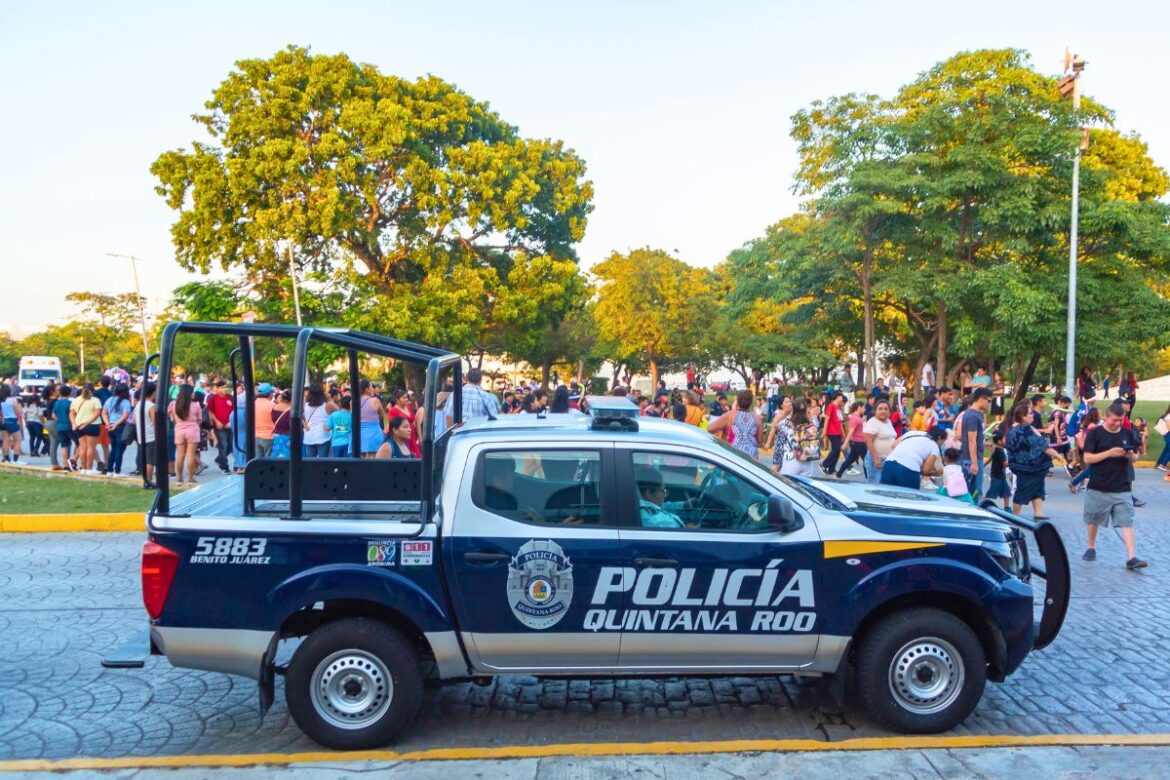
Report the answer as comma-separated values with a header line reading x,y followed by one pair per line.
x,y
681,110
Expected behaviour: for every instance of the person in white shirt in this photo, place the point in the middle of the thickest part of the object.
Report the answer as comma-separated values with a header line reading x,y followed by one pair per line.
x,y
879,440
914,456
145,433
928,384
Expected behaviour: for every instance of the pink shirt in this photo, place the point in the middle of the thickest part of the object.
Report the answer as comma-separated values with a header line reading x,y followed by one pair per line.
x,y
856,421
194,417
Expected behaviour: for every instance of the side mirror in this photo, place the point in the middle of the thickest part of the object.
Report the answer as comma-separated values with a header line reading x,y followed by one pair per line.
x,y
782,515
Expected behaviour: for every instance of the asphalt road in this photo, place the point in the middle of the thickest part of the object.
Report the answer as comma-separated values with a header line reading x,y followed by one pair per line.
x,y
69,598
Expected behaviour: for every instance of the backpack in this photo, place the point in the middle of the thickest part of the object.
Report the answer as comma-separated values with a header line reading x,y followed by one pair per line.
x,y
1074,422
808,443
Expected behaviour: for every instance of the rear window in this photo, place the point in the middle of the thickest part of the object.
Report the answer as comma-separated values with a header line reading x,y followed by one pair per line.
x,y
545,487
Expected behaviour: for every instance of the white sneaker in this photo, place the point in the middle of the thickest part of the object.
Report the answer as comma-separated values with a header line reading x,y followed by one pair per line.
x,y
18,462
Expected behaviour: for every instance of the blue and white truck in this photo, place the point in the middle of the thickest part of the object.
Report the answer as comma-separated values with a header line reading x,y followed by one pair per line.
x,y
591,545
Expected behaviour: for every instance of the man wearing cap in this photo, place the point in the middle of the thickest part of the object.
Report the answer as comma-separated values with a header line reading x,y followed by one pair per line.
x,y
262,414
971,426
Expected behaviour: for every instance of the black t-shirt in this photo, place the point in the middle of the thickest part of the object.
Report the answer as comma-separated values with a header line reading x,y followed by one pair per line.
x,y
1112,474
998,464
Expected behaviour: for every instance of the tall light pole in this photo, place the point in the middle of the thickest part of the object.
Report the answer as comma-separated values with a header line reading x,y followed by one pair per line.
x,y
1073,83
292,272
138,297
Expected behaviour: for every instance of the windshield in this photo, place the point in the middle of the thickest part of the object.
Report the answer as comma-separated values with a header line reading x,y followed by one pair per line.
x,y
814,494
40,373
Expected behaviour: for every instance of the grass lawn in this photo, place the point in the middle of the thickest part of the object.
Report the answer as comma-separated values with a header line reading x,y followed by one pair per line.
x,y
21,494
1150,410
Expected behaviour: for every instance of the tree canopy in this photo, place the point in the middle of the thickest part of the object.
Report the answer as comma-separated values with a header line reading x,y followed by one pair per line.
x,y
416,197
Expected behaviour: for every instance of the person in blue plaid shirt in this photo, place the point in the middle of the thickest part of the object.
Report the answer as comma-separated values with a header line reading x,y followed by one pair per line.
x,y
478,402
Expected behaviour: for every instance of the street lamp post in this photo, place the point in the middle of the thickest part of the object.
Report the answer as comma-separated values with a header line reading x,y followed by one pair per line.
x,y
1077,64
138,297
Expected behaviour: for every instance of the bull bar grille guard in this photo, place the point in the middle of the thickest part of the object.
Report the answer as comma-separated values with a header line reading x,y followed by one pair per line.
x,y
1054,571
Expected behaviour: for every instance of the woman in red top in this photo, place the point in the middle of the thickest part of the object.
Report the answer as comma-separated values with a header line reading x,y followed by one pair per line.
x,y
401,408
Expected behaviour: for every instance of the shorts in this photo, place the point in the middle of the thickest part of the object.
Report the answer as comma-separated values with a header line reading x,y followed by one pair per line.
x,y
999,488
186,436
1115,509
91,430
11,425
263,448
148,453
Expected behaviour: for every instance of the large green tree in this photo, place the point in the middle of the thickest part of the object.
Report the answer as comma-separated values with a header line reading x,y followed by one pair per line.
x,y
944,210
653,306
416,197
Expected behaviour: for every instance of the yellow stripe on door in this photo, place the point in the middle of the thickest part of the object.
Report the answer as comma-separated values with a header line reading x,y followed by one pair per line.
x,y
847,549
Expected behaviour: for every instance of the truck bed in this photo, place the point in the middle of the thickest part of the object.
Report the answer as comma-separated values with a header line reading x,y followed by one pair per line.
x,y
225,498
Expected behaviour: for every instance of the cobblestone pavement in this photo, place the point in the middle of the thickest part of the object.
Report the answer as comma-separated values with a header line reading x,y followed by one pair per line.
x,y
69,598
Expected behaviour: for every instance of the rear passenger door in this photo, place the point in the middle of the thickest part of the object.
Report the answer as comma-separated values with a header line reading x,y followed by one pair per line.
x,y
720,589
534,532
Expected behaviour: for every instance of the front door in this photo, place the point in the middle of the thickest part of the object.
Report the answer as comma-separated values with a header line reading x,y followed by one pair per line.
x,y
710,585
533,534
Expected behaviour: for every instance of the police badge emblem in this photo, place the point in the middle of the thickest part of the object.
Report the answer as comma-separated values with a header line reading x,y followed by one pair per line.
x,y
540,584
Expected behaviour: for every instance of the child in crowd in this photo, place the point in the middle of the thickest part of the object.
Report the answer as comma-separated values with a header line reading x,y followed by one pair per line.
x,y
918,421
339,424
999,487
954,483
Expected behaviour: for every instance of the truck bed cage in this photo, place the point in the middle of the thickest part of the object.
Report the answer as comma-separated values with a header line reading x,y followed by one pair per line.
x,y
355,343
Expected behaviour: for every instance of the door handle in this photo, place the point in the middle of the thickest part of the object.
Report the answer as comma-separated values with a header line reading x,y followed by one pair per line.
x,y
481,556
655,562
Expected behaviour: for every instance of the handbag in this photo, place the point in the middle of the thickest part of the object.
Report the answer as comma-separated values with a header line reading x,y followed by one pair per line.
x,y
1163,425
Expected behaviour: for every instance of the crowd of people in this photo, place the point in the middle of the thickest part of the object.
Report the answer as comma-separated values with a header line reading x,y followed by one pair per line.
x,y
963,442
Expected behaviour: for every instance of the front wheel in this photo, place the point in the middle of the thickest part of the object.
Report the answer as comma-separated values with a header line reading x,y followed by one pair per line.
x,y
921,671
354,684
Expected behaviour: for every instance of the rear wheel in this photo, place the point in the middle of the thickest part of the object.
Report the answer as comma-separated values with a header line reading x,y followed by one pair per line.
x,y
353,684
921,671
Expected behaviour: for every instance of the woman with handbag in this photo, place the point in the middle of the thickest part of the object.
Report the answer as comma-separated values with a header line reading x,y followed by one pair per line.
x,y
801,441
1162,426
115,413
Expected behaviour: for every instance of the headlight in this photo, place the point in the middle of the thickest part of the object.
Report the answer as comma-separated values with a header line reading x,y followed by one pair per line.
x,y
1011,555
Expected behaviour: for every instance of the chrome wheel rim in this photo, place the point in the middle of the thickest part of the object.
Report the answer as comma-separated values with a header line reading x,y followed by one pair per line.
x,y
351,689
926,675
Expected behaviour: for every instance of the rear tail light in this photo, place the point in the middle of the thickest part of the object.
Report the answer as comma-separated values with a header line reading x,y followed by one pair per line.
x,y
158,571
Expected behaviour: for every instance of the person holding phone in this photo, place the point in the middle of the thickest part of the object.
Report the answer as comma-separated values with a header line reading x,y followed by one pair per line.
x,y
1110,449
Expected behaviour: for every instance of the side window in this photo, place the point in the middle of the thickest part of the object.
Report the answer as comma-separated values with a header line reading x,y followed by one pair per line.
x,y
678,491
548,487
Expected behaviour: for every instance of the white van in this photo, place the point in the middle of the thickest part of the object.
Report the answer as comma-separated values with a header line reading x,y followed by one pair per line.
x,y
37,372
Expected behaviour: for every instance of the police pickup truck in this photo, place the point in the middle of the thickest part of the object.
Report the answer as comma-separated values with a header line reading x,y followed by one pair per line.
x,y
590,545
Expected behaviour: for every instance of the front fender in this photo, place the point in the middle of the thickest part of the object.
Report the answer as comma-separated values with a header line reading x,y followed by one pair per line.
x,y
1007,604
350,581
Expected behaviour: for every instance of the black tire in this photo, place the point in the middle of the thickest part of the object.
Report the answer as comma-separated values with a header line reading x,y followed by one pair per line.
x,y
366,654
921,651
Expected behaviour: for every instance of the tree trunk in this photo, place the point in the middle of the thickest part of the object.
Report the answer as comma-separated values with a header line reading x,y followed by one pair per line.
x,y
581,371
412,373
479,361
1026,380
545,370
941,366
653,375
951,379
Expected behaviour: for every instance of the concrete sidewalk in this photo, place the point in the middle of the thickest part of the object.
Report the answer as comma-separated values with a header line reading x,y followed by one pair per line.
x,y
999,762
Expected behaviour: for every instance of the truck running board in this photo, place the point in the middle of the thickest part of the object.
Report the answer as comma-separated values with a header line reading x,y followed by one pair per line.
x,y
1055,572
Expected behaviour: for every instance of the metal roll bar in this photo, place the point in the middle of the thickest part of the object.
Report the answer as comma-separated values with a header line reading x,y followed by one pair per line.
x,y
355,342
